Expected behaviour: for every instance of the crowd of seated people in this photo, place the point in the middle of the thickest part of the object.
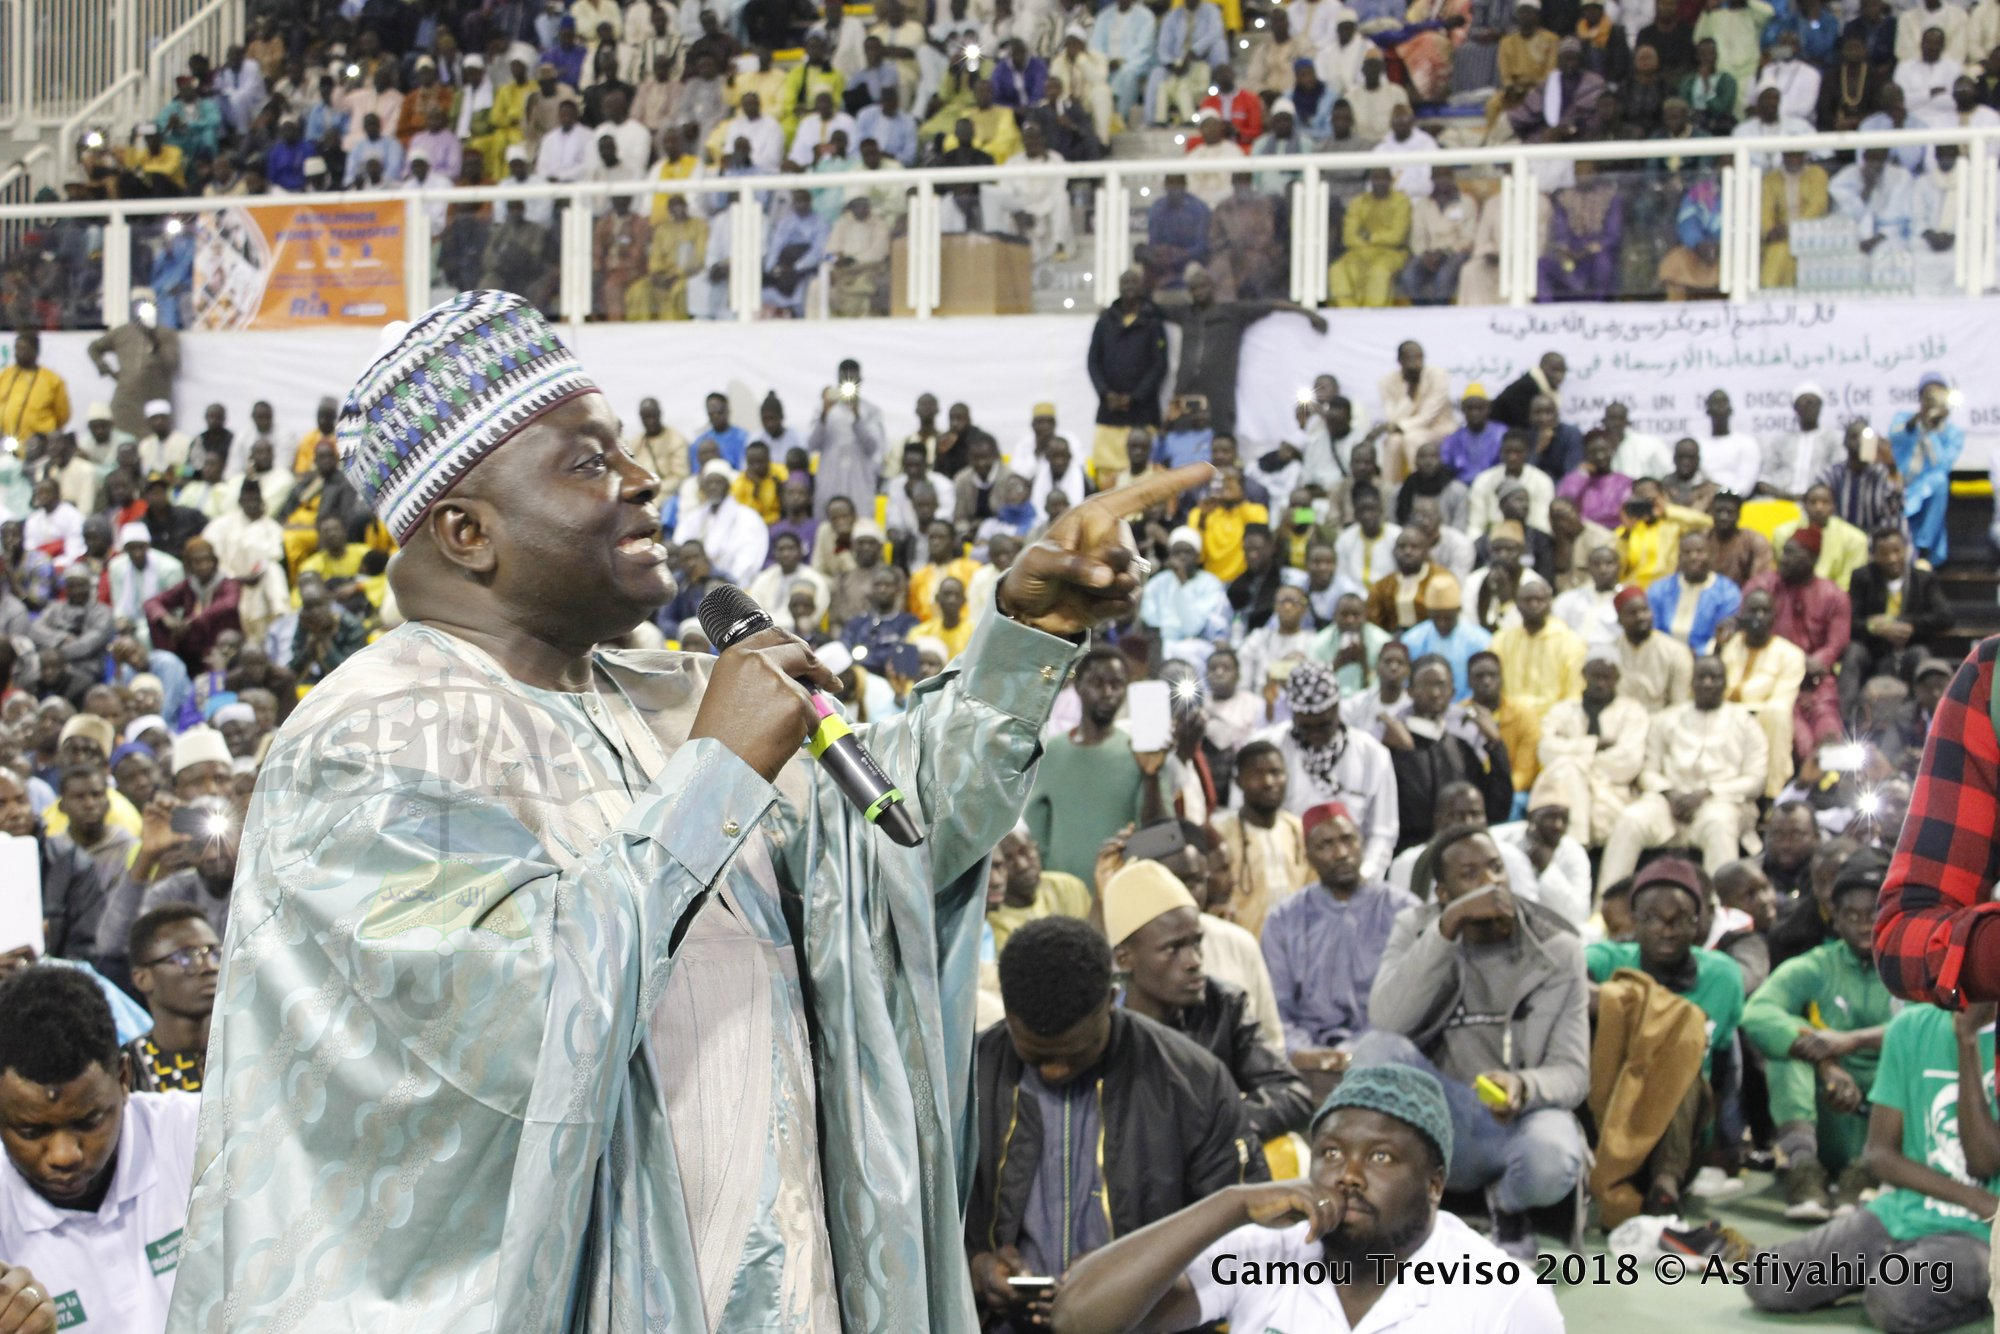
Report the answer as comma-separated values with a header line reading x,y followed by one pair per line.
x,y
327,97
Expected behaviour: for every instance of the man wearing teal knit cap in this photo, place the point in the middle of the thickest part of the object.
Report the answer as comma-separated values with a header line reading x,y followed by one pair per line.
x,y
562,993
1325,1254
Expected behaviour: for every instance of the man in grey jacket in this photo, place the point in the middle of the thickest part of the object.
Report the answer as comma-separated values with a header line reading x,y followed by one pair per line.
x,y
1488,992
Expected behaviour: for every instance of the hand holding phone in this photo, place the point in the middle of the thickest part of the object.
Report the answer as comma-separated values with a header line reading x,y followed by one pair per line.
x,y
1149,716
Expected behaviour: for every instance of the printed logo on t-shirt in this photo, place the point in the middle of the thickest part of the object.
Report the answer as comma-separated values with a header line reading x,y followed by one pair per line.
x,y
1946,1153
69,1311
164,1254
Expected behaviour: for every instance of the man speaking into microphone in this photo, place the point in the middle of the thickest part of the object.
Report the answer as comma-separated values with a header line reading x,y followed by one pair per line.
x,y
561,991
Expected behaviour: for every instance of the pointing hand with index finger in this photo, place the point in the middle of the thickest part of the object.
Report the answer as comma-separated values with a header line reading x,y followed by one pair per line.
x,y
1082,573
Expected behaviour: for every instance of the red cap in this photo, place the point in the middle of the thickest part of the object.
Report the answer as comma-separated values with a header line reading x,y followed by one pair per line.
x,y
1323,812
1629,593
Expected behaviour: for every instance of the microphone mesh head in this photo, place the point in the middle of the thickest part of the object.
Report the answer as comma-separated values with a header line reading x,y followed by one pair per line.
x,y
728,614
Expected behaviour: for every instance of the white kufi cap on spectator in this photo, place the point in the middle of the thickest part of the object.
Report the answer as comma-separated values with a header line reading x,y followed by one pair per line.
x,y
199,745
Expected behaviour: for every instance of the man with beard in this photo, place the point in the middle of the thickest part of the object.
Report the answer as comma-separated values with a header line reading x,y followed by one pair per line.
x,y
1654,669
1666,916
649,1092
1481,986
1324,943
1157,940
1326,761
1705,767
1380,1144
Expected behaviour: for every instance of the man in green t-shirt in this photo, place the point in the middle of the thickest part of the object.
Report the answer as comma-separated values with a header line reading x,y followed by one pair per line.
x,y
1666,920
1090,784
1933,1142
1818,1020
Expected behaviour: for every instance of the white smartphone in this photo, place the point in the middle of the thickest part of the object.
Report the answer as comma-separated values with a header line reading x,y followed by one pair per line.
x,y
1149,716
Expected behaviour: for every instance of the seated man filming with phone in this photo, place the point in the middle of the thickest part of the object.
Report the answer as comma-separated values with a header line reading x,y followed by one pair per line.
x,y
1322,1254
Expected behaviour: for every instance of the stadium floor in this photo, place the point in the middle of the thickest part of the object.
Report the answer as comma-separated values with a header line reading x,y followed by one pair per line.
x,y
1651,1307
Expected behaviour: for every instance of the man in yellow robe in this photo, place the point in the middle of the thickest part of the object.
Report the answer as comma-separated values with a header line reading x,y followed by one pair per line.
x,y
1376,232
1797,193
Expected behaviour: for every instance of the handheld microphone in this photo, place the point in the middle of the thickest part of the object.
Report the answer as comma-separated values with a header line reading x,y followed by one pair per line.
x,y
728,617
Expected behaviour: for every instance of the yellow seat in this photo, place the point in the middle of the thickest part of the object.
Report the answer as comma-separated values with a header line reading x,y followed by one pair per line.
x,y
1767,515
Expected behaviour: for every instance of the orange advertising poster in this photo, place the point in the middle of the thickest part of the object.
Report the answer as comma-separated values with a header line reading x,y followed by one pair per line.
x,y
289,266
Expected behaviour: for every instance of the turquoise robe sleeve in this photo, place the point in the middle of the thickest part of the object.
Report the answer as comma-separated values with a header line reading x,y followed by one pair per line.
x,y
423,1042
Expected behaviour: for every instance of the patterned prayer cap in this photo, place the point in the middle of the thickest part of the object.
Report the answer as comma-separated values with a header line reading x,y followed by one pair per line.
x,y
1312,688
453,387
1404,1092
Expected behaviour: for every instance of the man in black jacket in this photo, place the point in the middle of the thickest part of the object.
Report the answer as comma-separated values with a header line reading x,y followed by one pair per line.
x,y
1510,407
1093,1121
1128,364
1155,932
1899,613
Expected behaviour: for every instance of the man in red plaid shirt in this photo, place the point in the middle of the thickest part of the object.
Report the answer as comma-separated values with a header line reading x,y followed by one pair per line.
x,y
1937,931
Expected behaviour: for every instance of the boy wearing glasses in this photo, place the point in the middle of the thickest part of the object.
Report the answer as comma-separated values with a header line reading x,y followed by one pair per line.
x,y
175,959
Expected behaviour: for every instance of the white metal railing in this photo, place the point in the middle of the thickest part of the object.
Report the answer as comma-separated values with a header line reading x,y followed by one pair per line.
x,y
59,56
210,30
110,110
1519,198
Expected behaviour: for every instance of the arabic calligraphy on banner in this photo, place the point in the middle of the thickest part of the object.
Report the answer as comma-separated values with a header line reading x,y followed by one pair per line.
x,y
1662,361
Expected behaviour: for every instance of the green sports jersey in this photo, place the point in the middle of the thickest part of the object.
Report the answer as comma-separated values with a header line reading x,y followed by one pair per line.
x,y
1717,990
1918,1076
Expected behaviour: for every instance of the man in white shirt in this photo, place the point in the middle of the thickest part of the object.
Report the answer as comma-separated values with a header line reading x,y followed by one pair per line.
x,y
567,151
1323,1253
1404,137
96,1185
818,127
1797,82
1366,548
1706,761
1374,99
1730,459
765,136
734,535
772,588
162,448
1634,454
1793,460
1326,761
1768,119
635,141
1926,78
1587,608
1950,21
1562,867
